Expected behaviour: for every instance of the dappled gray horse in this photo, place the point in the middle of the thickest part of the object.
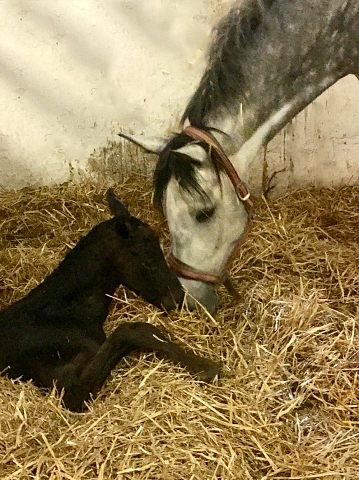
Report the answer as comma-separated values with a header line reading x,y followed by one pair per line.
x,y
269,59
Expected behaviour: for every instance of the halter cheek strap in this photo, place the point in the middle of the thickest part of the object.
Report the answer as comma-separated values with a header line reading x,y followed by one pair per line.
x,y
239,185
186,271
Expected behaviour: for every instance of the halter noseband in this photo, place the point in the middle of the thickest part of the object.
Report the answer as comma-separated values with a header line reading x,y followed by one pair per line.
x,y
185,271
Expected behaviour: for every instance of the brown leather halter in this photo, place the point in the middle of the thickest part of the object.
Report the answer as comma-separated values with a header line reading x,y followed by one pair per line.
x,y
185,271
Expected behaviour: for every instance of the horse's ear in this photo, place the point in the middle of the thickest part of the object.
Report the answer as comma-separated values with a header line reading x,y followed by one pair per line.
x,y
117,207
150,144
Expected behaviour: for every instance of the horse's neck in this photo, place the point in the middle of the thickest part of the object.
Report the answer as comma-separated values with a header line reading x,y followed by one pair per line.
x,y
243,140
301,52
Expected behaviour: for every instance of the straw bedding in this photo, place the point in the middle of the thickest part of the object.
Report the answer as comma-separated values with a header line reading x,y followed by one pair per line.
x,y
286,405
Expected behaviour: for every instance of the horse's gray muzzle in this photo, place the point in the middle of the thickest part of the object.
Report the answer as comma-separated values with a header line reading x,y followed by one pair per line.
x,y
200,294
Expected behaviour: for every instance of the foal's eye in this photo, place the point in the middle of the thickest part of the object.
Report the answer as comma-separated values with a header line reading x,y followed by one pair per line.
x,y
205,214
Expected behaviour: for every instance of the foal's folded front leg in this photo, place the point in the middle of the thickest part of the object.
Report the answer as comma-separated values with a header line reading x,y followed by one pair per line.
x,y
126,338
148,337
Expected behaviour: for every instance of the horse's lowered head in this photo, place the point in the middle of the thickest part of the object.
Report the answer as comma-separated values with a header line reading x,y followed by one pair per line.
x,y
267,61
205,214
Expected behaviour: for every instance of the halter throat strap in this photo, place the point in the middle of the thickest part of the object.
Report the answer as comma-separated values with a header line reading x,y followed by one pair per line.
x,y
186,271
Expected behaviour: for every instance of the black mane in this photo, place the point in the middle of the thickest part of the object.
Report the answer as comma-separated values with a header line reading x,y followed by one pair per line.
x,y
220,86
221,81
181,166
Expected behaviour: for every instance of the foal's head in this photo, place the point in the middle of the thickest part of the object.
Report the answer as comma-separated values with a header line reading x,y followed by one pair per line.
x,y
139,259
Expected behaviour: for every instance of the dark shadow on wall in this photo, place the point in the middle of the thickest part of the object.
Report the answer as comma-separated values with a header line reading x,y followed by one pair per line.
x,y
13,171
118,161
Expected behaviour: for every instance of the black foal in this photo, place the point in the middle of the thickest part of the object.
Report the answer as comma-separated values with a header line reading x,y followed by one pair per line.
x,y
55,334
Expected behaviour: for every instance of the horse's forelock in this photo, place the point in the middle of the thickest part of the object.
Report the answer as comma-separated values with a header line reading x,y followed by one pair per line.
x,y
180,166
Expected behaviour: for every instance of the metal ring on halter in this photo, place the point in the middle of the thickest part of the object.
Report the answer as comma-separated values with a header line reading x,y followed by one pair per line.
x,y
244,199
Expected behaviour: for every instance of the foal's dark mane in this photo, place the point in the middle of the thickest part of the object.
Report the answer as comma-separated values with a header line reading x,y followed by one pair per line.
x,y
220,83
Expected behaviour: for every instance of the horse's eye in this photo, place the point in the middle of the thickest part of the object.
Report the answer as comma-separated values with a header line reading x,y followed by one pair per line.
x,y
205,214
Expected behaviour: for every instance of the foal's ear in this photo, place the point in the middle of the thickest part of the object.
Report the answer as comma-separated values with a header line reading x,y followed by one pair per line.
x,y
117,207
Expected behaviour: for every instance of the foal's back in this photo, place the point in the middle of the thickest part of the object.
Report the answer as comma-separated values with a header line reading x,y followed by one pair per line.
x,y
65,313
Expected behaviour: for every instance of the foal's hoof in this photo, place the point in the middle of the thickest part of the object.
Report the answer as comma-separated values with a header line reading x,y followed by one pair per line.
x,y
205,370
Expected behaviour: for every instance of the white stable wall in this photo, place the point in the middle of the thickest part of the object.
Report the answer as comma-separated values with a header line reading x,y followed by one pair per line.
x,y
320,147
72,74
